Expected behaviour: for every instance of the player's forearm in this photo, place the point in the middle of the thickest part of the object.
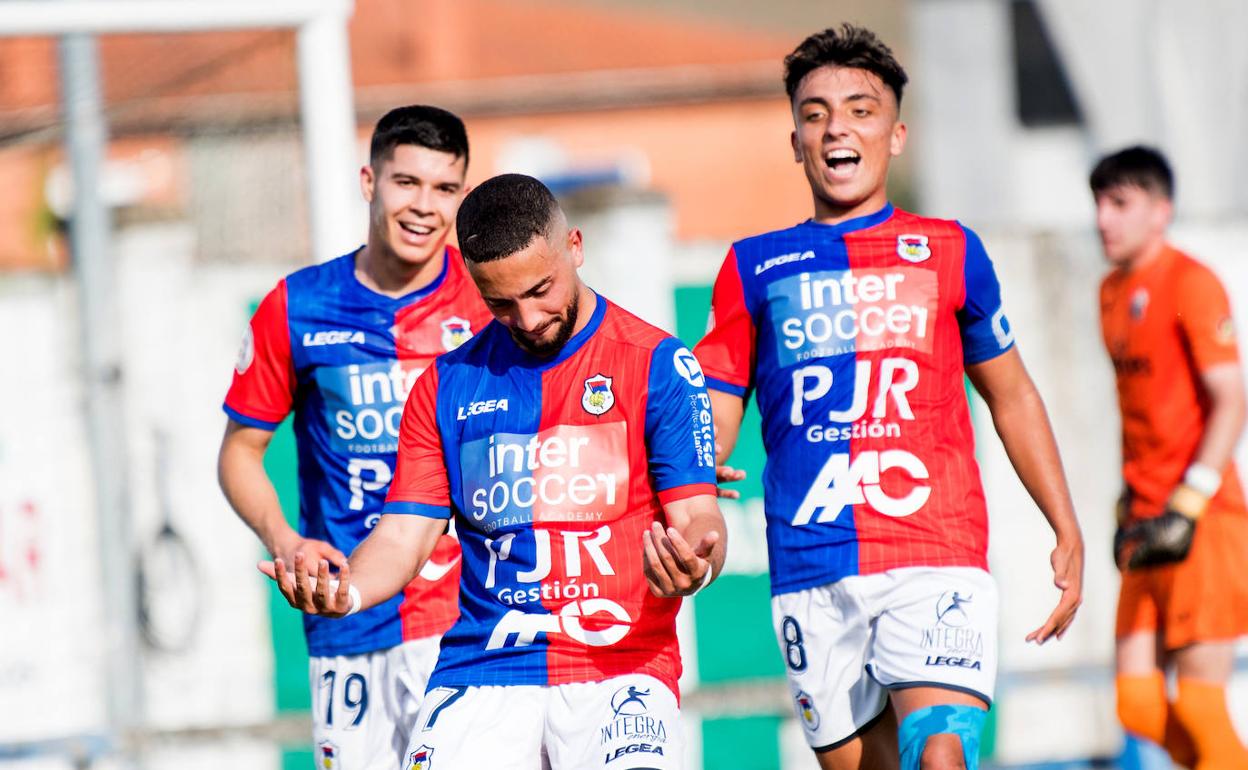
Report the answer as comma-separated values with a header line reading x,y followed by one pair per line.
x,y
247,488
1023,425
392,555
1223,428
727,411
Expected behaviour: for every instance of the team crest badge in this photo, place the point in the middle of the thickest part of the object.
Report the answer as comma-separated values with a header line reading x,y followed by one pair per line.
x,y
246,352
1226,331
455,332
598,398
420,759
913,248
1139,303
327,755
806,710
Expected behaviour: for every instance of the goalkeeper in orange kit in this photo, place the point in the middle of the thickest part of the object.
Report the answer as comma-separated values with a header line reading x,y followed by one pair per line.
x,y
1182,532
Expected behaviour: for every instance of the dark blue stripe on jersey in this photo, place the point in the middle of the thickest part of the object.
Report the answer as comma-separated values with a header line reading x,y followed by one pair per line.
x,y
250,422
417,509
726,387
982,334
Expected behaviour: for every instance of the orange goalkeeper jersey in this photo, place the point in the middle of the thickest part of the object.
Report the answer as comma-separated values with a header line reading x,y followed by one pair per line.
x,y
1164,323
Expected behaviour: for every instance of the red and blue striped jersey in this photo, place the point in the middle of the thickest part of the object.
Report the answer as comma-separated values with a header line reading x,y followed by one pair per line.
x,y
552,469
854,337
343,358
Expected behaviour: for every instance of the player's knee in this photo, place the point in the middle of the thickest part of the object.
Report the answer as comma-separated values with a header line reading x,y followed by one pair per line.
x,y
942,737
942,751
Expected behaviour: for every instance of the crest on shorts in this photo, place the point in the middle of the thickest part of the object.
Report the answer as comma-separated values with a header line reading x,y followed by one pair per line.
x,y
806,710
598,398
913,248
950,611
455,332
327,755
420,759
1139,303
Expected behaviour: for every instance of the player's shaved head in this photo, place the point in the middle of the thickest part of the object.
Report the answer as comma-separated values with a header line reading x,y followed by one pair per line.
x,y
850,46
421,125
503,215
1138,166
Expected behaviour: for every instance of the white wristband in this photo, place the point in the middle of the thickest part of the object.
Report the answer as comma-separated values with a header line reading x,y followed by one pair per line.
x,y
706,580
354,593
1203,479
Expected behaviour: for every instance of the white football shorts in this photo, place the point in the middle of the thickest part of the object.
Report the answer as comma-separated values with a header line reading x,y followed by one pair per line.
x,y
628,722
846,644
364,706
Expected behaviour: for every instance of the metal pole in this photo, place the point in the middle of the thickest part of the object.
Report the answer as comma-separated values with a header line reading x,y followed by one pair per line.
x,y
335,209
95,272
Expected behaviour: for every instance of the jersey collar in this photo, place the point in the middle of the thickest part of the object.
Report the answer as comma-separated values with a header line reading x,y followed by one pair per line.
x,y
857,223
405,299
569,349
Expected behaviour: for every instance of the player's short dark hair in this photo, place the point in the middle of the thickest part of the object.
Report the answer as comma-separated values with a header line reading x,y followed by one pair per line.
x,y
1139,166
421,125
850,46
503,215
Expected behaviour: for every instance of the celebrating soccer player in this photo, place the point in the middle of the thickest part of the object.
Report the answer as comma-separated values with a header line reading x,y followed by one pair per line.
x,y
572,442
854,329
341,344
1182,523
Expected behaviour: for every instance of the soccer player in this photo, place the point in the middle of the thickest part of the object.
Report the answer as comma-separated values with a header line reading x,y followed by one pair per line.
x,y
1183,526
341,344
854,329
572,443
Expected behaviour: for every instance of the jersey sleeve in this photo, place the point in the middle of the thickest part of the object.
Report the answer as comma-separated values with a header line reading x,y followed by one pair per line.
x,y
420,485
680,439
985,330
263,390
726,353
1204,315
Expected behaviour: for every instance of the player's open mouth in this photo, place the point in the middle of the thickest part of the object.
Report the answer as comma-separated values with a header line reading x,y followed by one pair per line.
x,y
843,162
416,229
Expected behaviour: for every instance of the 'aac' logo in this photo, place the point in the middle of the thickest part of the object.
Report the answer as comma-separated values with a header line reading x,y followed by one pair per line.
x,y
841,483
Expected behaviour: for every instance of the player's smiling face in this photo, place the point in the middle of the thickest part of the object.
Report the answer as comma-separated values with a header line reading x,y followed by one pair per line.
x,y
535,292
1131,221
412,199
846,132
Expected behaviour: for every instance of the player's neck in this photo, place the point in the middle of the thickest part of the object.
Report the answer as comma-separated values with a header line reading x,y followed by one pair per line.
x,y
1146,256
829,213
381,270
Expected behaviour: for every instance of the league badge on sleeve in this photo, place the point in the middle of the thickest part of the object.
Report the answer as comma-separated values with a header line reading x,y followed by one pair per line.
x,y
913,248
246,352
598,398
420,759
455,332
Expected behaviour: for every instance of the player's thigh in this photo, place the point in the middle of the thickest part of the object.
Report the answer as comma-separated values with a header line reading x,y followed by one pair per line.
x,y
624,723
470,727
1206,595
1206,661
353,721
1137,653
824,633
410,665
937,627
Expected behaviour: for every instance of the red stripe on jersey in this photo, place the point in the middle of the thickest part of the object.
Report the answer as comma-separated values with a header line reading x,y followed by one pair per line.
x,y
726,353
263,387
938,459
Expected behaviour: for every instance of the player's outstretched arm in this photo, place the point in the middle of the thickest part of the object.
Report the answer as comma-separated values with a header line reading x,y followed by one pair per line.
x,y
241,474
388,559
1224,387
1021,421
727,411
689,553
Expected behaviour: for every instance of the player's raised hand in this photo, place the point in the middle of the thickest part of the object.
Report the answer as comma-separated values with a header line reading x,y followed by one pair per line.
x,y
672,566
1067,560
314,594
725,474
313,551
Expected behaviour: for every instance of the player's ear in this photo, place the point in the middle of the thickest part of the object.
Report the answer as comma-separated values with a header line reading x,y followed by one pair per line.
x,y
897,142
797,148
368,182
575,246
